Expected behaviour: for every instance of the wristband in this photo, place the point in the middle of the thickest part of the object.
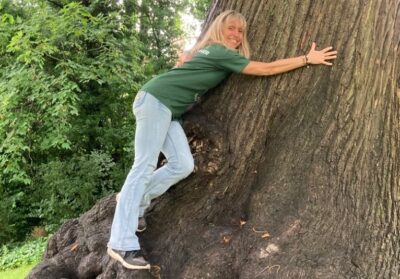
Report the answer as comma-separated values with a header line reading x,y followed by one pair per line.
x,y
306,59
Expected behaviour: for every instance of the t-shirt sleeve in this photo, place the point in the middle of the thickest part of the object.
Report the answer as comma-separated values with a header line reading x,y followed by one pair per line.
x,y
230,60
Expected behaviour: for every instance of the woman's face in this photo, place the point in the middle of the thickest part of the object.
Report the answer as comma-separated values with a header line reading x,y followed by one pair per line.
x,y
232,31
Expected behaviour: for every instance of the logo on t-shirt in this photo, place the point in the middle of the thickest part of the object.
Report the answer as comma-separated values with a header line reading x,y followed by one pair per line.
x,y
204,51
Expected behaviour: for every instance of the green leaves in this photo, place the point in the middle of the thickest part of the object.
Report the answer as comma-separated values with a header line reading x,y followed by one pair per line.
x,y
68,76
26,253
36,109
71,186
57,56
67,79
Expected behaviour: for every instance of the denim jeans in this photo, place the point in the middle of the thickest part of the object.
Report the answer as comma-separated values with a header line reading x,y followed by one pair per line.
x,y
155,133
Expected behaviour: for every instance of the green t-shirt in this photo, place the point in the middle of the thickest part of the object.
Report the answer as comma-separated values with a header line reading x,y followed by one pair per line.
x,y
180,87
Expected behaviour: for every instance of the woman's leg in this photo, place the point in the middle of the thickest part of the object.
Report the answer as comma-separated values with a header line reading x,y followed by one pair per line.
x,y
179,165
153,120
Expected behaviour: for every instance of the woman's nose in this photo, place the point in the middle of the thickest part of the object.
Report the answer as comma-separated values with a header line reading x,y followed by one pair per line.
x,y
234,32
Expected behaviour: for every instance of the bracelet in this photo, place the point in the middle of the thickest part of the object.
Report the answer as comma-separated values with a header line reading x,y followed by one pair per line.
x,y
306,60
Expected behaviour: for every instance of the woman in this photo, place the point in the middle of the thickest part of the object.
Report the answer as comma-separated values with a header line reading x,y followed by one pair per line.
x,y
161,101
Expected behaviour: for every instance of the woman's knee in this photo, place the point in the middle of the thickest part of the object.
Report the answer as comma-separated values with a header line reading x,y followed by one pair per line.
x,y
184,167
189,166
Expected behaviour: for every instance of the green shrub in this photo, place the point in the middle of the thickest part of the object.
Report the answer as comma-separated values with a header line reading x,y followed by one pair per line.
x,y
68,75
13,256
67,188
67,81
6,219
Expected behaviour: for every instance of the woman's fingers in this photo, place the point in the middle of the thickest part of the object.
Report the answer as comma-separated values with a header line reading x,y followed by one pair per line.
x,y
333,54
313,46
327,49
330,57
330,52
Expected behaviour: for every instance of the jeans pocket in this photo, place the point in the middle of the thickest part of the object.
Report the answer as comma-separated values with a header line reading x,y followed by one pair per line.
x,y
139,99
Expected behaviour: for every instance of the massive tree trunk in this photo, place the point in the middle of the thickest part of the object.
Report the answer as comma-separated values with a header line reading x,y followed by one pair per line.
x,y
298,175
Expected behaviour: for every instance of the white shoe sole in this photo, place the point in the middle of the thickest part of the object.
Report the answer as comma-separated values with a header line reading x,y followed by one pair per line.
x,y
142,230
117,257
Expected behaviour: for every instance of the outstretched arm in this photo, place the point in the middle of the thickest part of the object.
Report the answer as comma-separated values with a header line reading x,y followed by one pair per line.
x,y
285,65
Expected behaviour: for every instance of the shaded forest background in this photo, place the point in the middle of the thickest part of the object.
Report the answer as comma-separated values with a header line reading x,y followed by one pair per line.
x,y
68,74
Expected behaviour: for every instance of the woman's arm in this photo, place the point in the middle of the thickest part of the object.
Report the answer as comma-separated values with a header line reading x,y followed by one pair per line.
x,y
285,65
182,58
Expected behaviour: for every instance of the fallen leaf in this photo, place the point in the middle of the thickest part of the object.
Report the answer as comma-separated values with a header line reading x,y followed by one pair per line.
x,y
155,271
212,167
227,239
74,247
265,235
256,231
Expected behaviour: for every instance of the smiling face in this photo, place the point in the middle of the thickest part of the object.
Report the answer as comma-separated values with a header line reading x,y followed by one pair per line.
x,y
232,32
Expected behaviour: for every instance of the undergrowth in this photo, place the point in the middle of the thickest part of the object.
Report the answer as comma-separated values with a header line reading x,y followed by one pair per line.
x,y
16,255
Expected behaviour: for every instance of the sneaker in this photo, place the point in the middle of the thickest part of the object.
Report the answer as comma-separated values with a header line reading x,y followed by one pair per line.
x,y
129,259
141,224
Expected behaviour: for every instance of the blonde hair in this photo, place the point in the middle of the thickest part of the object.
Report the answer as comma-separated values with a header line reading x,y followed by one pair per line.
x,y
214,33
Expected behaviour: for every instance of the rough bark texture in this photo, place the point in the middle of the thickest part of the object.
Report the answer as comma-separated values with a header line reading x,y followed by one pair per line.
x,y
309,162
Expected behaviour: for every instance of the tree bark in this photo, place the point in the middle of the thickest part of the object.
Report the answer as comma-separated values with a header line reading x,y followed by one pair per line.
x,y
297,175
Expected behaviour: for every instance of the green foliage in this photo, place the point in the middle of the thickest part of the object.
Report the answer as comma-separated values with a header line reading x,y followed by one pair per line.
x,y
160,29
66,86
13,256
72,186
8,218
60,58
199,8
68,75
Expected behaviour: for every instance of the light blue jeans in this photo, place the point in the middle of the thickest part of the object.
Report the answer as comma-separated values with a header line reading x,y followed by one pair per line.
x,y
155,133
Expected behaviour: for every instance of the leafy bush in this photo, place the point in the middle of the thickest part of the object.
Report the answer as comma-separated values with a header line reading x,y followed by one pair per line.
x,y
68,76
6,218
65,64
22,254
66,188
67,81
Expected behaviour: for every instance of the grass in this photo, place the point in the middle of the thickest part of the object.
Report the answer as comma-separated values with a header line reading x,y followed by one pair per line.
x,y
22,254
18,273
18,259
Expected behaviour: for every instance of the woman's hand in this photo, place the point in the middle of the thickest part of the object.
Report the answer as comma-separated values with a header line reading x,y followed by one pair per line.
x,y
320,56
182,58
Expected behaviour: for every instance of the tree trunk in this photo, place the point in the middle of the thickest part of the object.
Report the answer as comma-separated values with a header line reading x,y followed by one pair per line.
x,y
297,175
